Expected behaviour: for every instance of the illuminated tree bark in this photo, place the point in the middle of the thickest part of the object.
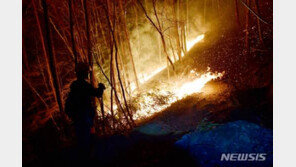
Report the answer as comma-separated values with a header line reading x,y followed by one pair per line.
x,y
51,58
113,90
158,27
121,55
117,67
258,21
43,48
89,47
173,50
176,27
128,43
72,32
237,13
43,75
25,57
137,29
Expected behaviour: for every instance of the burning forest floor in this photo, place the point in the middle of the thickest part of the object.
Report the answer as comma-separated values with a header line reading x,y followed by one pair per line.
x,y
152,143
243,93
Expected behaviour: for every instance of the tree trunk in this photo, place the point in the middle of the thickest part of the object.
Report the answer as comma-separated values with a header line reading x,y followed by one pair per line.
x,y
42,73
89,47
122,51
128,43
51,58
258,21
137,29
111,79
176,27
113,90
159,30
25,57
237,14
128,116
44,49
184,39
72,32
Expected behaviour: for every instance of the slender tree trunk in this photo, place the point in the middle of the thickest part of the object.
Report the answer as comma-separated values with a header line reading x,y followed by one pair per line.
x,y
115,93
258,21
119,78
89,47
137,29
120,81
42,73
121,55
237,14
25,56
159,30
111,79
90,61
129,45
159,49
176,27
102,31
44,49
72,32
79,38
184,39
51,58
63,38
173,50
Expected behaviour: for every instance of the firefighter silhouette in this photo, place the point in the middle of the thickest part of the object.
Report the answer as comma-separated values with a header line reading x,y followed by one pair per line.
x,y
79,106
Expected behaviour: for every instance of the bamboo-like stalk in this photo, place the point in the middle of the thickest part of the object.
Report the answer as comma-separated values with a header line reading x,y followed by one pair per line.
x,y
126,115
63,39
89,44
113,90
128,44
137,29
51,58
258,21
44,49
25,56
176,26
237,13
116,61
72,32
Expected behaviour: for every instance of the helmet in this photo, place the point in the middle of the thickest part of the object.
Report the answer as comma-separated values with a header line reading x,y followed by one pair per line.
x,y
82,70
82,67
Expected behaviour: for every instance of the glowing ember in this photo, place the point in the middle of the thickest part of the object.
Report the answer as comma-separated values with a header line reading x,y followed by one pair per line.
x,y
197,84
191,85
150,102
148,106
